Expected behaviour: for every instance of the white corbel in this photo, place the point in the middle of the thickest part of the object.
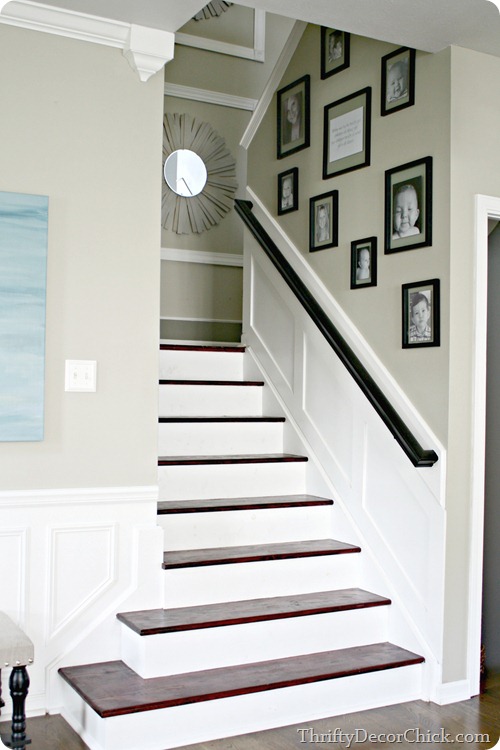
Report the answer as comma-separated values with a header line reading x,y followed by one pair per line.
x,y
148,50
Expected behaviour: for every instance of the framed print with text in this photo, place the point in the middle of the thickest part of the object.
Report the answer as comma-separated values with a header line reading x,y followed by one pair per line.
x,y
346,134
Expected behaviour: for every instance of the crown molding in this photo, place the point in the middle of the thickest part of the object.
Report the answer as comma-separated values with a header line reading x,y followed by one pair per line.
x,y
147,50
205,257
210,97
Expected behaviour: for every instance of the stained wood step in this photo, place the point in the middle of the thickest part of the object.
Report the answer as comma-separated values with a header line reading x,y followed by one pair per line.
x,y
249,383
201,348
113,689
160,621
240,503
182,420
267,458
255,553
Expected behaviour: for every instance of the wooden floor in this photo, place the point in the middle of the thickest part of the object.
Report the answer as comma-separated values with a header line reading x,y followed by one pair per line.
x,y
478,716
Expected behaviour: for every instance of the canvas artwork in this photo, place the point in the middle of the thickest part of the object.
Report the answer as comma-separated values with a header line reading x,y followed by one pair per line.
x,y
23,262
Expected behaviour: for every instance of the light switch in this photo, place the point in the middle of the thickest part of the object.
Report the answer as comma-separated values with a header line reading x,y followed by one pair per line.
x,y
81,375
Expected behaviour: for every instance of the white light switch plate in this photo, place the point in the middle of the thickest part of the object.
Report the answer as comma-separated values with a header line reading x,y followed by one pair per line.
x,y
81,375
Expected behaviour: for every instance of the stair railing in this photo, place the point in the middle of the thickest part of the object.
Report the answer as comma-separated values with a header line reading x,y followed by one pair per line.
x,y
419,456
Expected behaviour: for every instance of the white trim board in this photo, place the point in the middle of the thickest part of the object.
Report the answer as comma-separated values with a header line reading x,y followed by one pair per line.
x,y
199,320
210,97
199,256
79,496
486,207
257,52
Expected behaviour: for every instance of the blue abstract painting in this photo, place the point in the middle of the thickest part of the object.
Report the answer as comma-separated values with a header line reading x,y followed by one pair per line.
x,y
23,273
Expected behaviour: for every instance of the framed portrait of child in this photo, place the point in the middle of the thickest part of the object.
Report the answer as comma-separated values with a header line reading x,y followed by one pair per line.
x,y
324,221
398,81
408,206
335,51
421,318
288,191
364,263
293,117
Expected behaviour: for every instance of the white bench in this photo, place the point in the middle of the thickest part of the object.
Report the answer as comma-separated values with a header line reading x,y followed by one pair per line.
x,y
16,652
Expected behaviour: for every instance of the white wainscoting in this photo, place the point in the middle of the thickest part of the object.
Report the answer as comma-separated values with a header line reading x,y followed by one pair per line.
x,y
70,560
395,509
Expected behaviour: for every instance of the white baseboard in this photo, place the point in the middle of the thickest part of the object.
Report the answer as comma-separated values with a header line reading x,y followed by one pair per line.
x,y
452,692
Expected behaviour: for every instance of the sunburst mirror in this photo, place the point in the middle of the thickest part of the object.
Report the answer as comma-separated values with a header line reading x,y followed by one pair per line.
x,y
199,175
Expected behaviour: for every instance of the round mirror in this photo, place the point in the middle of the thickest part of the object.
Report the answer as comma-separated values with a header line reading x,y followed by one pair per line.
x,y
185,173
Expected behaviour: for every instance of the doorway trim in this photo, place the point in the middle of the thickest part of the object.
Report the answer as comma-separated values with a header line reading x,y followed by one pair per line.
x,y
486,207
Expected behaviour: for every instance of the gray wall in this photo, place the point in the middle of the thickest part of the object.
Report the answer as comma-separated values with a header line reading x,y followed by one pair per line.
x,y
79,126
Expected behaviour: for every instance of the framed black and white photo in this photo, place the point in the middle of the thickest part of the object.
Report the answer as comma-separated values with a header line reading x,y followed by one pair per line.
x,y
288,191
408,206
346,133
293,117
398,81
324,221
335,51
421,318
364,263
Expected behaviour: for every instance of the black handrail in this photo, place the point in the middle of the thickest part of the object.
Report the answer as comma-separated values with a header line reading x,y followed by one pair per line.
x,y
408,442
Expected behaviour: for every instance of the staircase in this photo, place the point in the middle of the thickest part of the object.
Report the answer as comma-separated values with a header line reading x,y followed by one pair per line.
x,y
265,624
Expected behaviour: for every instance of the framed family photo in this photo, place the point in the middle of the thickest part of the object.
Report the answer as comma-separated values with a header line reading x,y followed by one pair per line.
x,y
288,191
408,206
364,263
421,318
324,221
335,51
398,81
346,133
293,117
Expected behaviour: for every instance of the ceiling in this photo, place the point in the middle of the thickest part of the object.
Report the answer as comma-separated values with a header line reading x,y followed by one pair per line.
x,y
429,25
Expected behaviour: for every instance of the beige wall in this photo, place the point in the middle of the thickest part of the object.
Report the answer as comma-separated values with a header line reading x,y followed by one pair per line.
x,y
413,133
78,126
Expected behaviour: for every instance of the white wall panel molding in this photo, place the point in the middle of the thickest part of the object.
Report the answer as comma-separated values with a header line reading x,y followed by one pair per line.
x,y
147,50
200,256
273,82
102,495
257,52
210,97
393,510
81,569
14,559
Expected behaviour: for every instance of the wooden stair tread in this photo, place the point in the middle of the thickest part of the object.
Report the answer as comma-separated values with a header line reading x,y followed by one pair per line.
x,y
156,621
113,689
248,458
255,553
240,503
181,420
237,349
190,381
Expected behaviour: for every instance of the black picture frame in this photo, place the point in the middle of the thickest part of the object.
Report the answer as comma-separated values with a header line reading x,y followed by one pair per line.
x,y
364,274
421,298
324,221
347,133
335,51
397,90
293,117
288,191
408,188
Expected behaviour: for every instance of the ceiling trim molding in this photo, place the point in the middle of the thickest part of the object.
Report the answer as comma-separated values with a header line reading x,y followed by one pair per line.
x,y
273,82
146,49
202,256
209,97
257,52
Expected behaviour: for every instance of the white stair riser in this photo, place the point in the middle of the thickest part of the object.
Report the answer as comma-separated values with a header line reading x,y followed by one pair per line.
x,y
236,528
219,438
210,401
186,365
186,587
167,728
210,648
230,480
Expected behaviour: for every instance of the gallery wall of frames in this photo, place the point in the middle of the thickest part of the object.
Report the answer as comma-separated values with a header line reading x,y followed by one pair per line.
x,y
346,147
